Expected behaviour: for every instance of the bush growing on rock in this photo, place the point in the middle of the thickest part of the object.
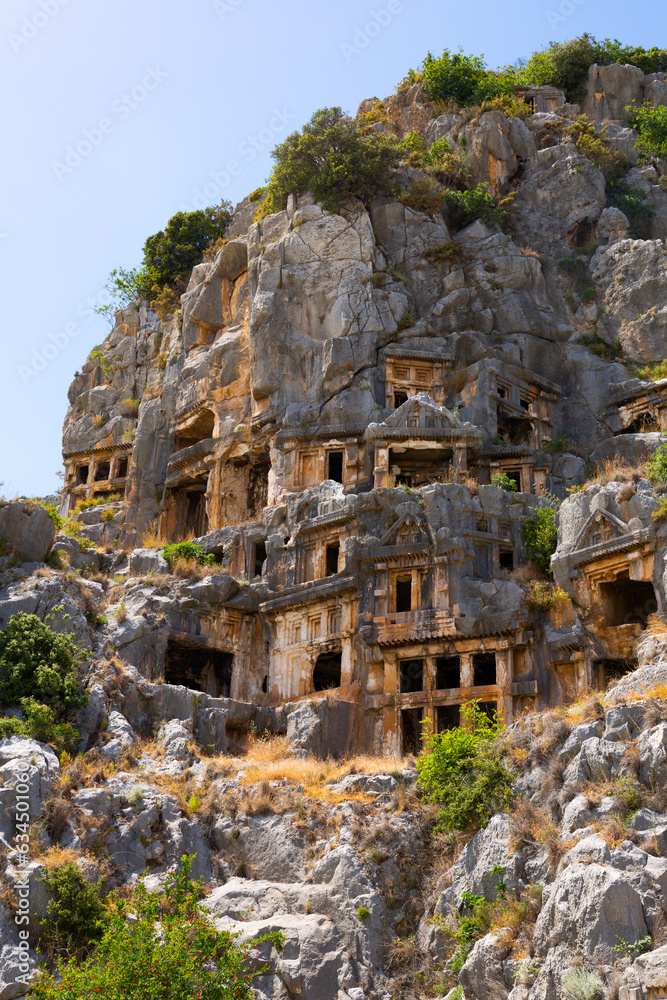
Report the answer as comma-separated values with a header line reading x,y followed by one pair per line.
x,y
76,918
39,723
36,662
168,951
332,156
184,552
461,772
651,123
656,467
582,984
540,536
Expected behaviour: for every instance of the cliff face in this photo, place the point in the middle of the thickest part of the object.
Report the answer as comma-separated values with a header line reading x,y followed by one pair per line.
x,y
325,414
327,409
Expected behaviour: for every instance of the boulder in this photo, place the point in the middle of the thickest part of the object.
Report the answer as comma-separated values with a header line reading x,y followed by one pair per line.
x,y
589,907
143,562
27,530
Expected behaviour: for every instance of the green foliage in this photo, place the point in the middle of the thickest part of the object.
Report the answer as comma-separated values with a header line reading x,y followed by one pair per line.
x,y
596,147
168,256
477,204
566,64
582,984
37,662
424,195
660,513
333,156
170,950
463,79
560,443
631,201
39,723
651,123
504,482
630,949
461,771
540,536
184,551
542,596
599,347
363,913
76,918
656,467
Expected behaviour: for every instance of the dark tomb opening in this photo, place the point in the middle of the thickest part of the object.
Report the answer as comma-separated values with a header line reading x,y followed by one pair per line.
x,y
399,399
102,471
327,671
447,717
506,559
412,676
411,730
404,593
627,602
484,669
335,464
259,558
332,553
200,668
447,672
121,470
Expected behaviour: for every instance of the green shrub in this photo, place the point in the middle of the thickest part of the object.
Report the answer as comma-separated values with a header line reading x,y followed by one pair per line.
x,y
560,443
477,204
425,195
632,202
660,513
463,79
582,984
184,551
595,146
540,536
543,596
334,157
168,257
651,123
363,913
39,723
460,770
76,918
504,482
599,347
36,662
170,951
656,467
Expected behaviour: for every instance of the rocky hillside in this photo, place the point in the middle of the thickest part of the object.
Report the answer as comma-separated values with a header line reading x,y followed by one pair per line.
x,y
380,461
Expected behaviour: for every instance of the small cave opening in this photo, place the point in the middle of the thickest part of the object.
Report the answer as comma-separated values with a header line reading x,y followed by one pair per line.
x,y
447,672
484,669
195,518
447,717
608,671
121,468
265,683
201,668
514,430
627,602
332,554
411,730
644,423
399,399
81,475
327,671
412,676
335,466
583,234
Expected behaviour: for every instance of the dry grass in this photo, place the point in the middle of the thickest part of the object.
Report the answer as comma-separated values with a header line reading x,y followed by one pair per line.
x,y
586,709
532,827
528,573
150,540
55,857
273,759
616,470
190,569
657,627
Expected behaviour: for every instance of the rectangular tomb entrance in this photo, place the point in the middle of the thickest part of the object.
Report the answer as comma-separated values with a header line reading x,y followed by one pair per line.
x,y
199,667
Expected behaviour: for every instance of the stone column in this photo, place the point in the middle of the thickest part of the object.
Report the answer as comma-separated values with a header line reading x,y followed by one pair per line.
x,y
460,462
467,672
381,470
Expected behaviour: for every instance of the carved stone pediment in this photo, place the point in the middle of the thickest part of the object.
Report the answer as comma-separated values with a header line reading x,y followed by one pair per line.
x,y
601,527
408,530
422,412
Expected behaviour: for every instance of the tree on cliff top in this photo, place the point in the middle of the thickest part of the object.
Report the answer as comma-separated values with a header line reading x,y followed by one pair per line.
x,y
334,157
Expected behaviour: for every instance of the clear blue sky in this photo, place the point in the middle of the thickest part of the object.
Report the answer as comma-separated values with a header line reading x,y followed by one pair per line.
x,y
169,93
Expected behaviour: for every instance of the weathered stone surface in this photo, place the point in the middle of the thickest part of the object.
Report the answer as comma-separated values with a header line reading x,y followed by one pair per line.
x,y
27,529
